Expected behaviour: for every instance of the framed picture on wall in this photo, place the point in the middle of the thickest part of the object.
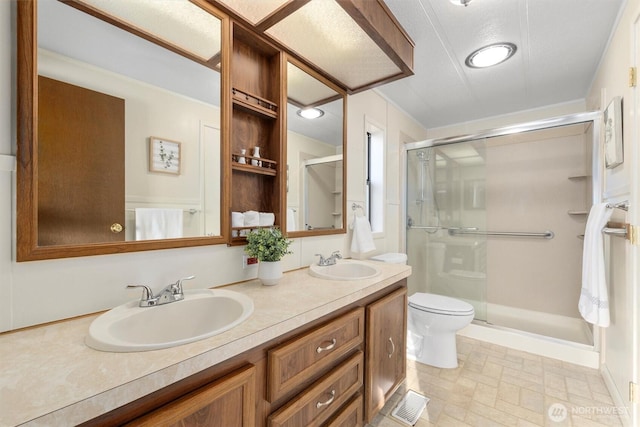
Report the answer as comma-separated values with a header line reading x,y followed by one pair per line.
x,y
164,155
613,149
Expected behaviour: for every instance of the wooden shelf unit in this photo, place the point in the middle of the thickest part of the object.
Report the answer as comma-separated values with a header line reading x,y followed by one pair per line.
x,y
257,93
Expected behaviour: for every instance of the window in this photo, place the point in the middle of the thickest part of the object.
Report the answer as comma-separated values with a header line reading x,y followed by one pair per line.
x,y
375,178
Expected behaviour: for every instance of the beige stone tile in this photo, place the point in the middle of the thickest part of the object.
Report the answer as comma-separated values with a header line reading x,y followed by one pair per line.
x,y
494,414
480,421
479,378
554,380
509,393
520,412
555,393
508,363
533,367
518,378
578,387
532,400
485,394
492,370
495,386
447,421
433,410
454,411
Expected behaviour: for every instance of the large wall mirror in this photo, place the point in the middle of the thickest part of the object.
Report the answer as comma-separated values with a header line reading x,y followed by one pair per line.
x,y
119,126
316,163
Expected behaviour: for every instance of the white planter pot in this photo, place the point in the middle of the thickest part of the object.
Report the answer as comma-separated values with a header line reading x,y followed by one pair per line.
x,y
270,273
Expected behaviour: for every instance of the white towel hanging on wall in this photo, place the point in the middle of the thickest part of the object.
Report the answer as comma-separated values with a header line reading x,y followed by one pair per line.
x,y
594,296
158,223
362,239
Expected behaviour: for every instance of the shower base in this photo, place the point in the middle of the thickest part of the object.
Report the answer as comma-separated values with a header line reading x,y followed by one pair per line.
x,y
563,328
579,354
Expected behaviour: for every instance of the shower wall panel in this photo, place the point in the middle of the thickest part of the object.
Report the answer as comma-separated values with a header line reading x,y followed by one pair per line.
x,y
529,189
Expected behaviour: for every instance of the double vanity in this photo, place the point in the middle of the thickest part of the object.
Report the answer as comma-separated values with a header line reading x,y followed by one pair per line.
x,y
314,351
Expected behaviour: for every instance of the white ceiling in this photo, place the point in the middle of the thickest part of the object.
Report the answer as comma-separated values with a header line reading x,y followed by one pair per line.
x,y
560,44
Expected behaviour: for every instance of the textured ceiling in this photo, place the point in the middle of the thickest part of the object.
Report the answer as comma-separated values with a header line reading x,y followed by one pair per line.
x,y
560,44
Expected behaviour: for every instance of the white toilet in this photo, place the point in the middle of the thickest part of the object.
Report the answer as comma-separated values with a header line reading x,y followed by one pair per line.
x,y
433,322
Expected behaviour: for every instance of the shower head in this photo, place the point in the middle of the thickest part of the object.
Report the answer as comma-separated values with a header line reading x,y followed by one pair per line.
x,y
423,155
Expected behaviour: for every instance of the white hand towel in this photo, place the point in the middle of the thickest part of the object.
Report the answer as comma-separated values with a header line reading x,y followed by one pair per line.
x,y
362,239
594,297
251,219
237,219
158,223
291,219
266,219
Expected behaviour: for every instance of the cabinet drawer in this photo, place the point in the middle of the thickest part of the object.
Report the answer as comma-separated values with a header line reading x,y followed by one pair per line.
x,y
297,361
227,402
324,398
350,415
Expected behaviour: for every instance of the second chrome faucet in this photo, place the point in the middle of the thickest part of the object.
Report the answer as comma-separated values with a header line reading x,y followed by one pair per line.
x,y
171,293
330,260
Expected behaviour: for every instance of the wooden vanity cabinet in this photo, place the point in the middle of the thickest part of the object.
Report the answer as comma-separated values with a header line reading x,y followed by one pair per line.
x,y
386,350
335,371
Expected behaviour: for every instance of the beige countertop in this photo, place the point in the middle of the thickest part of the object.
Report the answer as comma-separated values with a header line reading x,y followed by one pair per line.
x,y
48,376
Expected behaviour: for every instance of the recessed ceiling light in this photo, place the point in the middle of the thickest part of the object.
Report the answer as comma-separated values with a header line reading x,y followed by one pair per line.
x,y
491,55
310,113
461,2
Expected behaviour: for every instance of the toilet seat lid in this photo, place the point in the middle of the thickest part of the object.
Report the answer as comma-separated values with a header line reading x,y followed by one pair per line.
x,y
440,304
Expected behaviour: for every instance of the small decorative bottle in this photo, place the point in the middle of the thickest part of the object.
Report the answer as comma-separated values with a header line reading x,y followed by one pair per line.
x,y
241,158
256,153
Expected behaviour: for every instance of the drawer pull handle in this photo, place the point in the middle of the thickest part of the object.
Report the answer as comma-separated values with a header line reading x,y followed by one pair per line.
x,y
327,402
327,348
393,348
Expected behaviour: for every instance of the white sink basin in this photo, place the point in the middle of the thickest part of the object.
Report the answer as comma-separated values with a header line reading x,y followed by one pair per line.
x,y
203,313
344,270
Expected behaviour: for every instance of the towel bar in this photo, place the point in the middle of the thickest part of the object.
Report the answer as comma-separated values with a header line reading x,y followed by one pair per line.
x,y
620,232
622,205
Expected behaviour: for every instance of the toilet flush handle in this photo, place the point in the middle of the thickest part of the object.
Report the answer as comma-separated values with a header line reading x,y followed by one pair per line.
x,y
393,348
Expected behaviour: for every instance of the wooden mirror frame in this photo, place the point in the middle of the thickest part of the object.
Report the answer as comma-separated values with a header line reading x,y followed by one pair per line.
x,y
27,248
341,92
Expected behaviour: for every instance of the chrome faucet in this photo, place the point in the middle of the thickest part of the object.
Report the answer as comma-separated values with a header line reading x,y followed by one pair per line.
x,y
331,260
171,293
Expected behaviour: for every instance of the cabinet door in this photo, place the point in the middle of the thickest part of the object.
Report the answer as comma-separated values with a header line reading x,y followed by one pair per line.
x,y
228,402
386,349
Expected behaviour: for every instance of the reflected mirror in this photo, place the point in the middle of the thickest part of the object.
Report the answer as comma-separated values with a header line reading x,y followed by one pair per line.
x,y
315,154
125,124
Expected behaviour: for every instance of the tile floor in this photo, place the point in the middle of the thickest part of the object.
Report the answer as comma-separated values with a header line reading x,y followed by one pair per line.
x,y
497,386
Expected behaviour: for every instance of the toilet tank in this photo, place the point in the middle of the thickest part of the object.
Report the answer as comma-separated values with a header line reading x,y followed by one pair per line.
x,y
391,258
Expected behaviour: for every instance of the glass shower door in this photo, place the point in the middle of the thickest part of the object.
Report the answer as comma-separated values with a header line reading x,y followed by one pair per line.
x,y
446,203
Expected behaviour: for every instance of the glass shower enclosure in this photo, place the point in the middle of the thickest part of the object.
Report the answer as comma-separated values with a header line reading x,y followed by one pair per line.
x,y
497,219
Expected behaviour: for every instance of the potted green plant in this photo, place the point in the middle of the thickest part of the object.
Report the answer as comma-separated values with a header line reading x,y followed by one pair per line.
x,y
269,246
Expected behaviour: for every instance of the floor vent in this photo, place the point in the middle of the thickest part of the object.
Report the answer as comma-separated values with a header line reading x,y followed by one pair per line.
x,y
410,408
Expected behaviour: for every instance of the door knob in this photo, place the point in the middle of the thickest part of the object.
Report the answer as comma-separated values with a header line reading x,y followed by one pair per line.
x,y
116,228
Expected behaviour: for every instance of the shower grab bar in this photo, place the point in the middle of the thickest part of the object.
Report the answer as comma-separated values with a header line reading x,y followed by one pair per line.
x,y
548,234
439,227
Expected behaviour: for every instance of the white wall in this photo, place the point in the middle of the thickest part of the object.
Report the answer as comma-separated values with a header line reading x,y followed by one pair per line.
x,y
43,291
7,136
620,339
370,108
